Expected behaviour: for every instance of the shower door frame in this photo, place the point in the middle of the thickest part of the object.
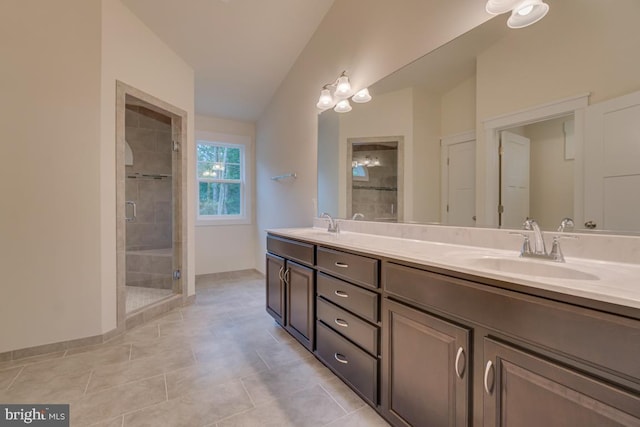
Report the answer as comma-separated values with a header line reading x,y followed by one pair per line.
x,y
179,205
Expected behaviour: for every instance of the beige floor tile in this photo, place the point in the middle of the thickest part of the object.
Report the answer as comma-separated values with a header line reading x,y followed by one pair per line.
x,y
108,404
10,364
112,375
35,388
7,376
363,417
342,394
285,380
218,371
199,407
116,422
195,366
309,407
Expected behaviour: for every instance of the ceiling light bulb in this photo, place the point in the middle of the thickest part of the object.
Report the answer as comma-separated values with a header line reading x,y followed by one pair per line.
x,y
526,13
343,106
343,88
362,96
497,7
326,100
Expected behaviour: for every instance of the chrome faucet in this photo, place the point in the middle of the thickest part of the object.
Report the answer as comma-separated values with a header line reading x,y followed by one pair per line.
x,y
539,248
356,216
333,223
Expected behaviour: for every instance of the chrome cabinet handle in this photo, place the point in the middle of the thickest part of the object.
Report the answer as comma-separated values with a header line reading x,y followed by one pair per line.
x,y
287,276
341,358
341,294
280,275
487,369
135,211
342,323
459,372
341,264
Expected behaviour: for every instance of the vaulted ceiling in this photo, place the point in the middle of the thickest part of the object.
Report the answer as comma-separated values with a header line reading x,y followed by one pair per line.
x,y
241,50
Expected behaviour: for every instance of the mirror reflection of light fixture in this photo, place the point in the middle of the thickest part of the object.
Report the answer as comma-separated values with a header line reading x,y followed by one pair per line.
x,y
367,162
523,12
336,95
213,170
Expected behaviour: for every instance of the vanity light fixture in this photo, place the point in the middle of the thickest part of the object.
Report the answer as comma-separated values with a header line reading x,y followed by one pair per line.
x,y
337,95
523,12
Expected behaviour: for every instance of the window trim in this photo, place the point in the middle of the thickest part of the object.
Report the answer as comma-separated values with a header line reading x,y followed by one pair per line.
x,y
206,138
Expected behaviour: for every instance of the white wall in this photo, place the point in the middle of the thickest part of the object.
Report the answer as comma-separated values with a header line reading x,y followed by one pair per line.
x,y
370,40
49,172
459,108
133,54
328,160
221,248
552,176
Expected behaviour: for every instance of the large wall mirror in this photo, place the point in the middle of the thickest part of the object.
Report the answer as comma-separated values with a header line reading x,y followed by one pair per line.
x,y
500,124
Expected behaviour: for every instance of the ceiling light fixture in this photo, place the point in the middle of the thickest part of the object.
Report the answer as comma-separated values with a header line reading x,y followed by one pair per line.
x,y
336,95
523,12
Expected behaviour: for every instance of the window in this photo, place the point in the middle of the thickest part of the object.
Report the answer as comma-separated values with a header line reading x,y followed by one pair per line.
x,y
221,181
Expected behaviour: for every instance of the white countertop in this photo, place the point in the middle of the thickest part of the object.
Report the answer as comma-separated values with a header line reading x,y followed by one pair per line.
x,y
610,282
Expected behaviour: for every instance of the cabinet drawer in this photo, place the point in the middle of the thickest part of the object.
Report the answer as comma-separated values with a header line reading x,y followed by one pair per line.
x,y
357,330
357,300
353,365
291,249
355,268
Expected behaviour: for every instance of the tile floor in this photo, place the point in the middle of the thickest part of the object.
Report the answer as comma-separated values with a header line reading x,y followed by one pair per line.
x,y
138,297
221,362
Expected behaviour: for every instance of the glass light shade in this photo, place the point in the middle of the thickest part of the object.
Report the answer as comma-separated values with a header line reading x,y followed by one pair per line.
x,y
497,7
376,162
362,96
520,18
343,88
342,106
326,100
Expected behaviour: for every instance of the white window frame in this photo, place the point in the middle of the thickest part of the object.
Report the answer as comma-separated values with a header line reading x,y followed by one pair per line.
x,y
245,150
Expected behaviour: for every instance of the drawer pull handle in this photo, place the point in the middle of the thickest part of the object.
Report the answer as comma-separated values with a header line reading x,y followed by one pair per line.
x,y
342,323
340,358
341,294
486,377
460,354
341,264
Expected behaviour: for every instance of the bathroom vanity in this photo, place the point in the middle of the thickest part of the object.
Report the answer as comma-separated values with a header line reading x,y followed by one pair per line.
x,y
437,334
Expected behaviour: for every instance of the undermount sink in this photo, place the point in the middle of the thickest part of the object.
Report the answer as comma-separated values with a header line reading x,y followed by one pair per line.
x,y
531,268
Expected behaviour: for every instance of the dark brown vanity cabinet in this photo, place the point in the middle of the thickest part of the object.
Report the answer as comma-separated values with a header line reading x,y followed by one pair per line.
x,y
425,375
290,284
523,389
528,361
347,319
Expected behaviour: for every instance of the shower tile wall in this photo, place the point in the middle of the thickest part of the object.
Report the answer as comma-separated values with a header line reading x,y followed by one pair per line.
x,y
149,136
377,198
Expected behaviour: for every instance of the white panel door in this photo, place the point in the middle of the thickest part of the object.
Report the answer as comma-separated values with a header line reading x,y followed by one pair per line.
x,y
514,182
612,164
461,173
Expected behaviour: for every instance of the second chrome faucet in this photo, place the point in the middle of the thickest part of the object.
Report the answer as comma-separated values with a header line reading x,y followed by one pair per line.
x,y
539,249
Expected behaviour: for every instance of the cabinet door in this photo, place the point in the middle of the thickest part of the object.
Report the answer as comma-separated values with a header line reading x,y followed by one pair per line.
x,y
521,389
425,377
275,287
300,295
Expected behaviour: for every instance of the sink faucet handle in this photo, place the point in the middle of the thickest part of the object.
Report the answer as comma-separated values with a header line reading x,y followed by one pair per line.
x,y
556,251
526,243
566,224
